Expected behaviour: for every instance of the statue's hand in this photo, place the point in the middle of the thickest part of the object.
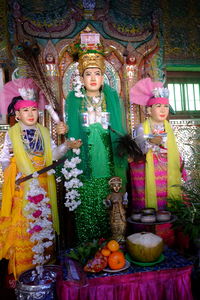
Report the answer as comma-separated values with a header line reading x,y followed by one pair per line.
x,y
107,202
130,159
74,144
61,128
157,140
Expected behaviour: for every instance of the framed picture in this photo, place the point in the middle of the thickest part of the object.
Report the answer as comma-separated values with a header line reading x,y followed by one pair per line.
x,y
3,118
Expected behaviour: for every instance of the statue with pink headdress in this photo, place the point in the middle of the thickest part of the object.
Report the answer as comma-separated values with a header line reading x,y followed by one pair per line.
x,y
28,215
159,176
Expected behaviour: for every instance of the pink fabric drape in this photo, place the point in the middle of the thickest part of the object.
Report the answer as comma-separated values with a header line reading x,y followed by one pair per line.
x,y
172,284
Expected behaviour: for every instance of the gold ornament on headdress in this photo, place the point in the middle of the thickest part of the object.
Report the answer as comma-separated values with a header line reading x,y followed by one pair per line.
x,y
91,60
91,52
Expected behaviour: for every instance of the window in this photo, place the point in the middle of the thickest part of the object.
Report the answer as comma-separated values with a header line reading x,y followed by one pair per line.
x,y
184,92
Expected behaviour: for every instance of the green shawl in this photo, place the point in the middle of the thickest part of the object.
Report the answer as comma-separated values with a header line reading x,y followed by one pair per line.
x,y
73,110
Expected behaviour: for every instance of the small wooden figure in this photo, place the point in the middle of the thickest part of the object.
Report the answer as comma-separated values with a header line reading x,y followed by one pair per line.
x,y
117,203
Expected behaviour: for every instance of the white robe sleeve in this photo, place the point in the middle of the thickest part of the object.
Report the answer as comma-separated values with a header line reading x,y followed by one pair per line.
x,y
138,135
143,142
58,151
5,154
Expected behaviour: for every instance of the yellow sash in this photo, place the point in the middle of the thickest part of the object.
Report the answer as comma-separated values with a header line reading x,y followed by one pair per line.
x,y
25,166
8,188
173,168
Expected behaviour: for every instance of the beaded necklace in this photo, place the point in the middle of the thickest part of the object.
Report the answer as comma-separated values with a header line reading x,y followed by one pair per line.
x,y
94,102
156,129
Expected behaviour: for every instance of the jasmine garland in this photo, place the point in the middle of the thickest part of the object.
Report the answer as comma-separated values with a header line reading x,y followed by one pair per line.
x,y
40,225
72,182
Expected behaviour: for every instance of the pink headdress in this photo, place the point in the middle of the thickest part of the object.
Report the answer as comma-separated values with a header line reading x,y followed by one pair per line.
x,y
24,87
25,103
146,92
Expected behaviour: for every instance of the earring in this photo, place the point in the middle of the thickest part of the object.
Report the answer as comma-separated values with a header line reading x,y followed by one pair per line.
x,y
16,119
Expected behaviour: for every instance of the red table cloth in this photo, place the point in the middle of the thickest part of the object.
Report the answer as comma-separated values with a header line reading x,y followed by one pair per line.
x,y
170,284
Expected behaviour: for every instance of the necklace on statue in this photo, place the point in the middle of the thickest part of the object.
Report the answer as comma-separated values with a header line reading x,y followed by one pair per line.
x,y
94,101
32,140
156,128
33,144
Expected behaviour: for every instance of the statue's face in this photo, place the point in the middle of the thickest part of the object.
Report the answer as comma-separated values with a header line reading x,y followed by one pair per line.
x,y
116,187
28,115
158,112
49,58
93,80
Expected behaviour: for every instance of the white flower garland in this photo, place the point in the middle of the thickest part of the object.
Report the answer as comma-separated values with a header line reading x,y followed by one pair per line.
x,y
69,170
72,183
38,208
77,84
40,225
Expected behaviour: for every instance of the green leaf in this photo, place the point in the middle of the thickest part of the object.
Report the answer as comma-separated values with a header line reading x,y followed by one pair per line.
x,y
85,251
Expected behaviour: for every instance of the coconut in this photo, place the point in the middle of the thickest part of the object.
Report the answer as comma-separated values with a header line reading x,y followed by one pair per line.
x,y
144,246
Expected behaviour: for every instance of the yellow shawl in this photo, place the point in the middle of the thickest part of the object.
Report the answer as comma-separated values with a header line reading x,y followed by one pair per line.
x,y
173,168
25,166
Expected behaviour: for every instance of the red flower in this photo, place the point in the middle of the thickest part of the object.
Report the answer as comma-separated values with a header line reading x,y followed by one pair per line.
x,y
36,228
101,241
37,213
36,199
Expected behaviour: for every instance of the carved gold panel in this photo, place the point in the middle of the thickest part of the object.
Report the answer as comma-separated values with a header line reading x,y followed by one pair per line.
x,y
188,139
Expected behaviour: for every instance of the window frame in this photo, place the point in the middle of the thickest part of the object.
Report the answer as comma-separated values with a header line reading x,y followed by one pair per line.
x,y
184,77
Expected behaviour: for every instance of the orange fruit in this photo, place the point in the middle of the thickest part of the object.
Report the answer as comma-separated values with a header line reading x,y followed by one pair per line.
x,y
105,251
116,260
113,245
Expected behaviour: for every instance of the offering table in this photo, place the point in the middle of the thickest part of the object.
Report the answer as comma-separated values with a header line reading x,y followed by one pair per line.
x,y
168,280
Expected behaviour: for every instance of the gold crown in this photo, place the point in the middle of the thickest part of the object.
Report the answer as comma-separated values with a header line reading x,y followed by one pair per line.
x,y
90,51
91,60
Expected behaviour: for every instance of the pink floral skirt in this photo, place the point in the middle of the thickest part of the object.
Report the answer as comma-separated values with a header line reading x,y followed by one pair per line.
x,y
137,172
